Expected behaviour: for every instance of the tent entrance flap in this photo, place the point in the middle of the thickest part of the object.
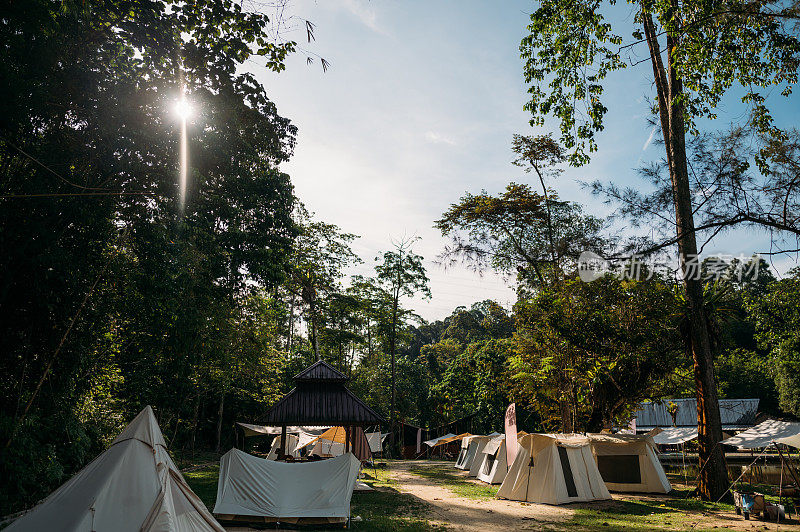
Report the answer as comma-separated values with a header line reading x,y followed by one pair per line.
x,y
620,469
569,480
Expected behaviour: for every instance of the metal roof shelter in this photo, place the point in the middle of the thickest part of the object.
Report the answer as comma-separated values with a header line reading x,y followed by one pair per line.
x,y
736,414
320,398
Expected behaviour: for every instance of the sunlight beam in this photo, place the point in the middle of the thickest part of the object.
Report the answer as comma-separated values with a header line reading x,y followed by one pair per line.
x,y
184,111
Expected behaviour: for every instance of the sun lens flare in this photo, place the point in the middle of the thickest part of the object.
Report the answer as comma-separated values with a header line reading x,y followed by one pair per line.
x,y
183,109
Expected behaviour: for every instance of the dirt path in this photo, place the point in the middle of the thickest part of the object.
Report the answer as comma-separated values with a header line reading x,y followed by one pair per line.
x,y
462,513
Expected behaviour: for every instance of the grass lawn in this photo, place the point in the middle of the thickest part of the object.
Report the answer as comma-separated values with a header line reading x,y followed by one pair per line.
x,y
384,509
204,483
445,475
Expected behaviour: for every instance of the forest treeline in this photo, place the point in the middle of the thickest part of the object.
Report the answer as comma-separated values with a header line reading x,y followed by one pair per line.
x,y
114,295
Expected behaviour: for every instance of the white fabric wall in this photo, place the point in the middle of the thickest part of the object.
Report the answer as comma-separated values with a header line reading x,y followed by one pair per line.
x,y
249,485
292,441
499,467
375,440
474,465
327,448
469,450
651,472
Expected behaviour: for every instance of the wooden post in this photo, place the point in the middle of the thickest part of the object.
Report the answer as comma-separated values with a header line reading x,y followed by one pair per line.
x,y
347,432
788,465
282,451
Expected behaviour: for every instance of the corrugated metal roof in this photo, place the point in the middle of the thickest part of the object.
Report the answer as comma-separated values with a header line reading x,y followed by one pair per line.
x,y
320,371
735,413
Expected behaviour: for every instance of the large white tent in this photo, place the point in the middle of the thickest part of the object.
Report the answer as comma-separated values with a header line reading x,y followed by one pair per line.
x,y
553,469
493,465
628,462
470,447
252,489
292,446
766,432
133,486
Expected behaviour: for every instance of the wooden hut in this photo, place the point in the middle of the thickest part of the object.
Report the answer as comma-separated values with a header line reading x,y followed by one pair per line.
x,y
321,398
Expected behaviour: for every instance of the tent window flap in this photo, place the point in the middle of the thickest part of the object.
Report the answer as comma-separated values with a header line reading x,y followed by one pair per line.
x,y
567,469
620,469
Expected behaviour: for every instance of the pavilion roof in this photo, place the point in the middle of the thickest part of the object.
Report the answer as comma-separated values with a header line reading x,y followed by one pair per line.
x,y
321,398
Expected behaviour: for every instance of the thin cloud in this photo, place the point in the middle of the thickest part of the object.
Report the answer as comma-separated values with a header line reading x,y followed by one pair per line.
x,y
437,138
366,14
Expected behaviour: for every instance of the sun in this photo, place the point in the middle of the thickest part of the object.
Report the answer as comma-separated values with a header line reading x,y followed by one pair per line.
x,y
183,109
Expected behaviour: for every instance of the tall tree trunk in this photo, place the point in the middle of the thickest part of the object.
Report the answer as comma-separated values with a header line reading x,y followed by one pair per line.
x,y
713,473
291,324
219,421
566,416
369,338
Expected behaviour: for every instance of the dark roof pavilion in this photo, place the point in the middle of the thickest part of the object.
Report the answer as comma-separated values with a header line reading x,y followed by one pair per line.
x,y
321,398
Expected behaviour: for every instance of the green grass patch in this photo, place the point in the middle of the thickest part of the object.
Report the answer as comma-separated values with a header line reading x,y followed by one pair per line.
x,y
444,475
204,483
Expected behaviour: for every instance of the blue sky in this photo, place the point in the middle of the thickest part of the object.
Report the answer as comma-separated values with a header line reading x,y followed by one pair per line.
x,y
419,106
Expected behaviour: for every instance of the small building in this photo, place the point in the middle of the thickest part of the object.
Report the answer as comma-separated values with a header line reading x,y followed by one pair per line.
x,y
320,398
736,414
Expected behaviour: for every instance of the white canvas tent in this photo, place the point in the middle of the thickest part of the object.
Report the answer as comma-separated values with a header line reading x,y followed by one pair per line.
x,y
332,443
628,462
493,465
462,453
471,449
133,486
477,460
766,432
375,440
553,469
292,447
252,489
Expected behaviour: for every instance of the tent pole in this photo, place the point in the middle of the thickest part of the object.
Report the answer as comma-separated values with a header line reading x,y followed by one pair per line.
x,y
789,467
282,452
